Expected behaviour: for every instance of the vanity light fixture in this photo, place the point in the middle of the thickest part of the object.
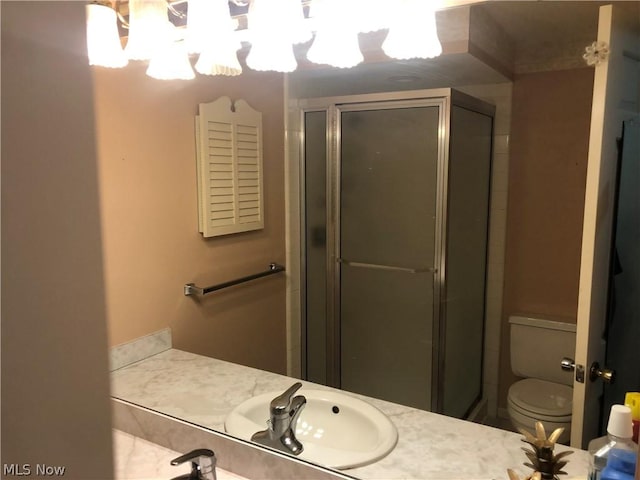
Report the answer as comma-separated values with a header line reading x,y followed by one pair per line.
x,y
270,35
103,42
298,27
147,28
413,32
336,41
210,33
272,28
221,60
170,60
201,23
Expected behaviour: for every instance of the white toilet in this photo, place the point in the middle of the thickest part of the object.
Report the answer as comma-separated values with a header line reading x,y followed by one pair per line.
x,y
537,348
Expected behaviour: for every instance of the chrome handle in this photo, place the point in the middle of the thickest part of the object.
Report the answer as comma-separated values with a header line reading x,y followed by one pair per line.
x,y
192,455
203,465
386,267
282,403
606,374
568,364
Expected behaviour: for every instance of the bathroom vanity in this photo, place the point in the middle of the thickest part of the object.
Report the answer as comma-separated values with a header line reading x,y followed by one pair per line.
x,y
197,393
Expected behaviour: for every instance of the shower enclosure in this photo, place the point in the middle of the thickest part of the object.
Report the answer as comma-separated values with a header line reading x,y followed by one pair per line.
x,y
395,206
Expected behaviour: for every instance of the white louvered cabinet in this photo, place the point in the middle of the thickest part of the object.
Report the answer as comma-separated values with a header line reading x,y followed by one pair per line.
x,y
229,168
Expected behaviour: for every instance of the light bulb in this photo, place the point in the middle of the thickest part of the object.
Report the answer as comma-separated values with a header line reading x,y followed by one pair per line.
x,y
170,60
147,28
271,41
103,42
413,32
211,32
336,41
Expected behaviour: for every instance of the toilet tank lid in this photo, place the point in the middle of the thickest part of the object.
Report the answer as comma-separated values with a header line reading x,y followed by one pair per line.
x,y
542,323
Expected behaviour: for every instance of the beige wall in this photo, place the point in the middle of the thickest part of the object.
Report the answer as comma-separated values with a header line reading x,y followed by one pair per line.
x,y
547,171
55,387
146,145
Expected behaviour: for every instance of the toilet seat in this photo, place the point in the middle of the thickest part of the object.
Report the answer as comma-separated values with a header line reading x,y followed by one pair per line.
x,y
542,400
528,423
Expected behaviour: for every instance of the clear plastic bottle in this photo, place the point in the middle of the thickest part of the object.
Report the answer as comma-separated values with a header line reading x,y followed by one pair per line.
x,y
621,465
619,433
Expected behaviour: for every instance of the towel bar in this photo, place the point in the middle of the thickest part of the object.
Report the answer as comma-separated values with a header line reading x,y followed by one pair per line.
x,y
192,289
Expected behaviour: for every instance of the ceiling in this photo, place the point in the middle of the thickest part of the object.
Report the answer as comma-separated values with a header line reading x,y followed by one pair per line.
x,y
543,35
550,29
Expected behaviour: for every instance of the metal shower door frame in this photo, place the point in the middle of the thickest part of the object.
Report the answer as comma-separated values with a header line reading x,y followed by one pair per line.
x,y
334,107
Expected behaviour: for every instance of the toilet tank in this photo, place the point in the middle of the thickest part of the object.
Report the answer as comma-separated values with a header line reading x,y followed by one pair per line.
x,y
538,346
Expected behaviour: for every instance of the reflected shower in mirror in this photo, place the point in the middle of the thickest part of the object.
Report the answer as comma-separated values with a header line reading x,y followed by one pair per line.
x,y
405,298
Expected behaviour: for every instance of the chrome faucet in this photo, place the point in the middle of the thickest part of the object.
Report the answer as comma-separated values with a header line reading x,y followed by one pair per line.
x,y
284,412
203,465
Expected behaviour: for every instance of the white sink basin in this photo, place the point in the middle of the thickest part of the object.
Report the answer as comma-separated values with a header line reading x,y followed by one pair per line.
x,y
336,430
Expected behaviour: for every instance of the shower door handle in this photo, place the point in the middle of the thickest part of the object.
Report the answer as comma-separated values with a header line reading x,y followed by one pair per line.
x,y
387,267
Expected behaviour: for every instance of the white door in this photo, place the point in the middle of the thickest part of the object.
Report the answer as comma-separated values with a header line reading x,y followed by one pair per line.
x,y
615,99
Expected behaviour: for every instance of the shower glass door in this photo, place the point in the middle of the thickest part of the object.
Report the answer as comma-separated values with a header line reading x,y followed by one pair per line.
x,y
386,242
462,333
395,213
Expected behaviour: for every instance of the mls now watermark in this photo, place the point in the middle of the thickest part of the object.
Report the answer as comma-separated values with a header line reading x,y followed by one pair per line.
x,y
27,469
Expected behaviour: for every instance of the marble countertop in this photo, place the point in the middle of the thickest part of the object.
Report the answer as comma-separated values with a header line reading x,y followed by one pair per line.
x,y
204,390
137,459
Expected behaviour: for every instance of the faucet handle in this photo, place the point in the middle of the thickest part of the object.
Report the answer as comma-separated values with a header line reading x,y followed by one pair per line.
x,y
282,403
203,464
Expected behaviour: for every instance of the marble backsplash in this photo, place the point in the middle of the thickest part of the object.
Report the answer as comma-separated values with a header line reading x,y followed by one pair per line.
x,y
136,350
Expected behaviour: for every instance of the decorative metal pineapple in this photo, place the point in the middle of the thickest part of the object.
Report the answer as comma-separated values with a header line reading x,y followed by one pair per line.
x,y
514,476
545,464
